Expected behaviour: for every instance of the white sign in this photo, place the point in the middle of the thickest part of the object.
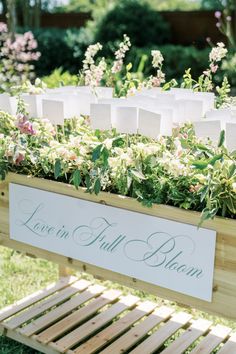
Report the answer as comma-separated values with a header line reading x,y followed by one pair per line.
x,y
166,253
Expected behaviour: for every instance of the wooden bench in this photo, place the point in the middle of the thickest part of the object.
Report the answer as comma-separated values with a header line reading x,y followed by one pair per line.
x,y
76,316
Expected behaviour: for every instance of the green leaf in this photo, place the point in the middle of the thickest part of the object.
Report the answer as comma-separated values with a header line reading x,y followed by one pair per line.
x,y
57,168
76,178
88,182
137,174
97,186
201,164
232,169
215,158
97,152
105,156
129,67
204,148
222,138
204,192
231,204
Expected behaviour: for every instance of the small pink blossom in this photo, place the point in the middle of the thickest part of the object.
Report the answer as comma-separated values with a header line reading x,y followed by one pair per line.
x,y
218,14
24,125
213,68
18,157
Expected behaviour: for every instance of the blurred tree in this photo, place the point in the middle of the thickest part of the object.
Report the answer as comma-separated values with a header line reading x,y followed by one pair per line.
x,y
91,5
219,4
11,17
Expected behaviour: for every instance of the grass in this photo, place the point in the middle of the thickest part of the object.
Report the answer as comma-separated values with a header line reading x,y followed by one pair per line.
x,y
21,275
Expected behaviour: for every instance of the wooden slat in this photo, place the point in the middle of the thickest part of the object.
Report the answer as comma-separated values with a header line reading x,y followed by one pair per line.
x,y
88,328
154,341
77,316
29,341
216,336
59,312
117,328
197,329
35,297
134,335
47,304
230,346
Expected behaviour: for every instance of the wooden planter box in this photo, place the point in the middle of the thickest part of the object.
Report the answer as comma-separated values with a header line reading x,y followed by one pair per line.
x,y
224,281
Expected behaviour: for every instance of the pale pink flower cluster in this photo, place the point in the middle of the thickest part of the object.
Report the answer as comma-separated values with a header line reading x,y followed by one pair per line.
x,y
218,53
157,58
16,57
157,61
24,125
120,54
93,73
17,155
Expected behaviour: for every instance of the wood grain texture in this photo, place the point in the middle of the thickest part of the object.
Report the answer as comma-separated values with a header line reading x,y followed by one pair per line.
x,y
224,299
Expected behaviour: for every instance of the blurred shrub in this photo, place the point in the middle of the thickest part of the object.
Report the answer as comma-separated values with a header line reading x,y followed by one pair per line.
x,y
229,68
138,20
59,78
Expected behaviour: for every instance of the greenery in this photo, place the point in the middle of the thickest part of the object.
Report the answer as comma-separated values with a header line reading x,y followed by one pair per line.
x,y
59,78
180,171
133,17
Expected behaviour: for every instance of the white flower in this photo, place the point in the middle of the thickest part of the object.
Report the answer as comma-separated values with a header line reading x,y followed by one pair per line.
x,y
234,187
108,143
157,58
218,53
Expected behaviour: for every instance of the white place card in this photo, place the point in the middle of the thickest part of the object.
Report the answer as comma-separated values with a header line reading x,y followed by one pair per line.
x,y
54,111
209,129
170,254
190,110
100,116
126,120
33,105
230,136
153,124
8,103
224,114
149,123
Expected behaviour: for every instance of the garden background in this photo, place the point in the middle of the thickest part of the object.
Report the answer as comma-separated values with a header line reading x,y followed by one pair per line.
x,y
183,30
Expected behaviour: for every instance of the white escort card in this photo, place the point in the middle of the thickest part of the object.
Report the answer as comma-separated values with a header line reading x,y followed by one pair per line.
x,y
33,105
153,124
100,116
149,123
8,103
166,253
230,136
126,120
209,129
53,110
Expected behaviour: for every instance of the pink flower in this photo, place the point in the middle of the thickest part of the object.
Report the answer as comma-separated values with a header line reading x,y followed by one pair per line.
x,y
3,27
24,125
218,14
18,157
218,24
213,68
